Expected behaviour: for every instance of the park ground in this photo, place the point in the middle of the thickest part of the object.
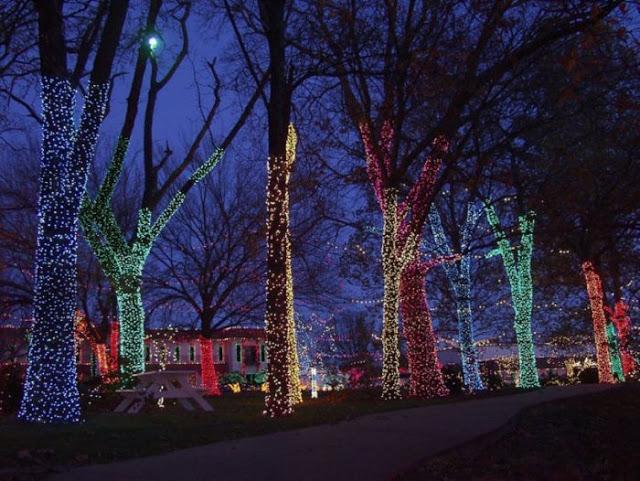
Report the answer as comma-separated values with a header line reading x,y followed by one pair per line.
x,y
593,436
587,438
106,436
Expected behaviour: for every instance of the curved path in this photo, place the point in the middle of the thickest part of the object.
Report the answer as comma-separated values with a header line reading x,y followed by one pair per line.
x,y
374,447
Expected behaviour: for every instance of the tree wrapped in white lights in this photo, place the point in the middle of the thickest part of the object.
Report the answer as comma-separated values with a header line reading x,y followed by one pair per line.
x,y
50,391
517,264
460,281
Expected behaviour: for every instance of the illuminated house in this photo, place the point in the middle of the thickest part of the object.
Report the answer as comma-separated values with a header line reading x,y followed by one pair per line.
x,y
235,349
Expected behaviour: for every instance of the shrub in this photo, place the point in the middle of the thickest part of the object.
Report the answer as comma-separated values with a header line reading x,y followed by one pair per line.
x,y
453,379
233,378
588,375
491,377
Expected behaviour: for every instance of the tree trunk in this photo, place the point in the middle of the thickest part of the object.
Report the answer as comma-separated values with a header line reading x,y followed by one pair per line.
x,y
278,400
102,359
523,298
614,352
596,300
114,341
131,315
391,266
207,368
426,378
50,389
620,317
468,352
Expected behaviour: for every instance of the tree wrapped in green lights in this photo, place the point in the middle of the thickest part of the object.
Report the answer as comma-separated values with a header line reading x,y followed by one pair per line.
x,y
123,256
122,260
614,352
460,280
517,264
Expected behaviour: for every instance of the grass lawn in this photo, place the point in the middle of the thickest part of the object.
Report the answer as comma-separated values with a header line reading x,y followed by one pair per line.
x,y
107,436
590,438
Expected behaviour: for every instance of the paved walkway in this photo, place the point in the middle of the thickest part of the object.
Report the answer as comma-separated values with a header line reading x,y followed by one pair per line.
x,y
369,448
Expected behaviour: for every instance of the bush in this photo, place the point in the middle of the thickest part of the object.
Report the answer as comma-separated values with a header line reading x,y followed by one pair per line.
x,y
453,379
233,378
553,380
491,377
588,375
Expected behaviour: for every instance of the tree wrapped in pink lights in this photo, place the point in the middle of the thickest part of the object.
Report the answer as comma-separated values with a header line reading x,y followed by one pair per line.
x,y
403,269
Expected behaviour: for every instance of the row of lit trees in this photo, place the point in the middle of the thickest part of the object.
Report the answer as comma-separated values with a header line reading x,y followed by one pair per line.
x,y
416,82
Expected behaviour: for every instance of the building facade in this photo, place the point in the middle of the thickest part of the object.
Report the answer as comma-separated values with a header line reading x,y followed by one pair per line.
x,y
235,350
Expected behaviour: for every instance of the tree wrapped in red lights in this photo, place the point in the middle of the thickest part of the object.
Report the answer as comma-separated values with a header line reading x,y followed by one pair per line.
x,y
620,317
408,82
114,343
87,332
596,301
207,369
426,379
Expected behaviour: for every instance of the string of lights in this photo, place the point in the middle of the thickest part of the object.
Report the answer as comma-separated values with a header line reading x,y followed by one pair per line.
x,y
50,392
459,277
517,264
596,301
207,369
614,352
123,261
284,372
426,379
620,317
295,388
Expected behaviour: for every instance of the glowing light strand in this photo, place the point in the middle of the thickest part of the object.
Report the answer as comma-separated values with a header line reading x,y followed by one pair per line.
x,y
459,277
614,352
50,393
596,301
620,317
283,370
391,268
295,388
518,269
207,368
426,379
123,261
85,332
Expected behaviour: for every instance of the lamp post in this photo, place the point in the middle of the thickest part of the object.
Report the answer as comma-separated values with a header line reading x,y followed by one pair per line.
x,y
152,42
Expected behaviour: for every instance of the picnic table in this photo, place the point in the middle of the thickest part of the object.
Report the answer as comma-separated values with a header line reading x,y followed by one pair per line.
x,y
161,385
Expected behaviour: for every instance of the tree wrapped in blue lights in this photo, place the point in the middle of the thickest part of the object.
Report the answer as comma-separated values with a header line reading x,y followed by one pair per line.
x,y
50,389
458,273
517,264
123,261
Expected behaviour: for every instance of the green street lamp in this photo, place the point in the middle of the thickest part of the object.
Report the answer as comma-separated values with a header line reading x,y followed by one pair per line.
x,y
152,42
